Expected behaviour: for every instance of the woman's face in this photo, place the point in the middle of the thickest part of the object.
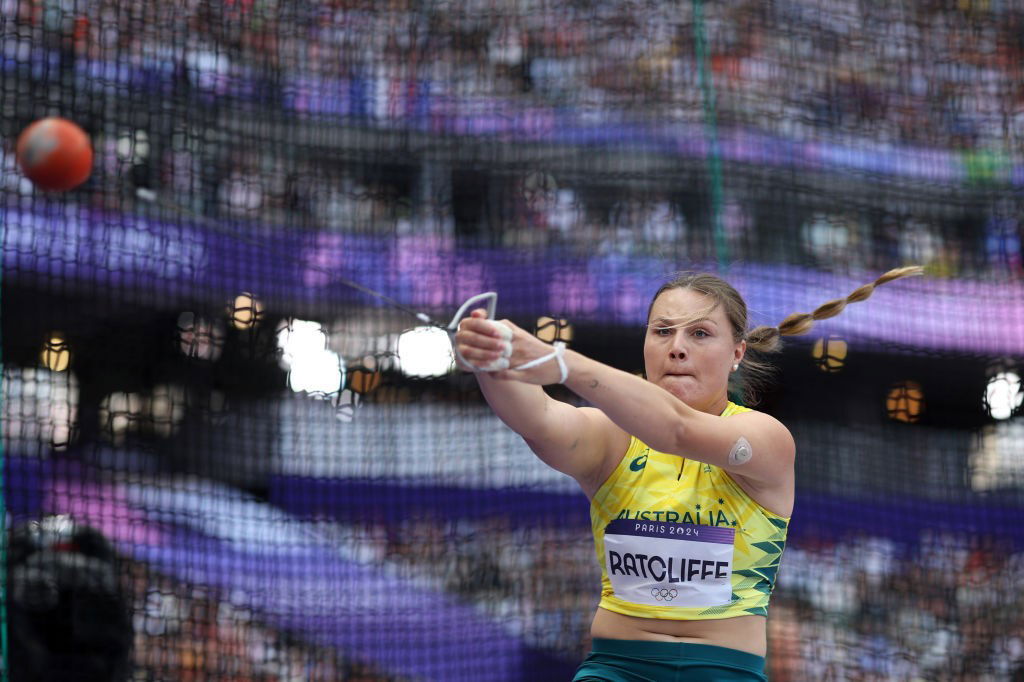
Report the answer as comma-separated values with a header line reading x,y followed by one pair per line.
x,y
692,362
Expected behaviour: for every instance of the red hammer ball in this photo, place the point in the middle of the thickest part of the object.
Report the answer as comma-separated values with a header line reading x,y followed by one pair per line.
x,y
55,154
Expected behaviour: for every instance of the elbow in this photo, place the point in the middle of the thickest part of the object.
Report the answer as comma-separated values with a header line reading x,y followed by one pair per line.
x,y
673,439
679,435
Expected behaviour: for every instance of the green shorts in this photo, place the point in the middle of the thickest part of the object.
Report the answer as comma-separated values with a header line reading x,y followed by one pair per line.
x,y
622,660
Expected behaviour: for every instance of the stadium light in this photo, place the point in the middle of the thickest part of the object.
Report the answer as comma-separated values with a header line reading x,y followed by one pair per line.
x,y
366,376
829,353
312,366
56,356
905,402
1003,396
552,329
425,352
246,311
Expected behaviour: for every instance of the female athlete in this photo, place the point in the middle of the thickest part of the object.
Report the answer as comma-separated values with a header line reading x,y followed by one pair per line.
x,y
690,493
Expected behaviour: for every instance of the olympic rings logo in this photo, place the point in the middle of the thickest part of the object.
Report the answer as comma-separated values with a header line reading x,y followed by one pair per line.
x,y
662,594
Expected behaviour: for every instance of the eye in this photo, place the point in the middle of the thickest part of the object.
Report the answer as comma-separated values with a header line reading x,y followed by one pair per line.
x,y
663,331
701,333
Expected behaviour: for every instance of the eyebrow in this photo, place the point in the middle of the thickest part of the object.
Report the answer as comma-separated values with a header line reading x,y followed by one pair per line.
x,y
666,322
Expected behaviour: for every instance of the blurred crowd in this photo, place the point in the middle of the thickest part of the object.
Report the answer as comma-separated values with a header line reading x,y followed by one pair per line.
x,y
931,74
867,609
540,582
533,210
862,609
191,633
926,73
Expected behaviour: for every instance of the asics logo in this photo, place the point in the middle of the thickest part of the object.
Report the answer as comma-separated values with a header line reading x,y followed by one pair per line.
x,y
638,463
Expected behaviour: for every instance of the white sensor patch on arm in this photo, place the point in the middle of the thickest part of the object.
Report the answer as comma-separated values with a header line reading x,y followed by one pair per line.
x,y
741,452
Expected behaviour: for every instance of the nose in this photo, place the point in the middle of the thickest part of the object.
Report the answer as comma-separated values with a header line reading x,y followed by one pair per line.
x,y
677,351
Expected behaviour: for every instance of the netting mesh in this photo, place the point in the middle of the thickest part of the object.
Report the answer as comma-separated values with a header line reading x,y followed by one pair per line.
x,y
293,480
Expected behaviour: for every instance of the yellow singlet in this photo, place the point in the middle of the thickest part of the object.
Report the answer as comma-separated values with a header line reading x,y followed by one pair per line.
x,y
679,539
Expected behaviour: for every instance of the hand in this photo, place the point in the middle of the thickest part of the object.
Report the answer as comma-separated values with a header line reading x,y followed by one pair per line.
x,y
484,344
487,345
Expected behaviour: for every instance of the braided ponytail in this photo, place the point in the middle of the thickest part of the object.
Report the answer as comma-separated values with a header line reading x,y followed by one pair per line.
x,y
768,339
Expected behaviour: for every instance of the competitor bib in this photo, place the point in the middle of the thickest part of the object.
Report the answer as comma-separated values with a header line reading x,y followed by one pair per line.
x,y
669,564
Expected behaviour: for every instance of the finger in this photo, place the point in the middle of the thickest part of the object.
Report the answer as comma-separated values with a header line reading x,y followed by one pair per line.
x,y
482,358
499,329
489,368
485,327
479,313
484,366
484,342
495,366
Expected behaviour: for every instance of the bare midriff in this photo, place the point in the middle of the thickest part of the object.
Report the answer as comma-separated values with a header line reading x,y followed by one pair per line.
x,y
745,633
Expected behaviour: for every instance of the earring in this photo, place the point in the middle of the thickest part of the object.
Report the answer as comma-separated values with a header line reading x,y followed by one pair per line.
x,y
736,367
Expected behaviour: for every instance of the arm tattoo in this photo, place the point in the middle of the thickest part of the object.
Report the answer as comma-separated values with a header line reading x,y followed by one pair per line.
x,y
594,383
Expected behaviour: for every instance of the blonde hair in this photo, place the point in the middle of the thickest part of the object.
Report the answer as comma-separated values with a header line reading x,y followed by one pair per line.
x,y
766,339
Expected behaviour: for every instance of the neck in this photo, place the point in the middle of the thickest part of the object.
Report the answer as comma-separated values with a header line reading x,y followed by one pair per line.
x,y
716,406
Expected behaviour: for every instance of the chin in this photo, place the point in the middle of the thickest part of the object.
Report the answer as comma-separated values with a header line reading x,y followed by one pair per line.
x,y
689,398
682,392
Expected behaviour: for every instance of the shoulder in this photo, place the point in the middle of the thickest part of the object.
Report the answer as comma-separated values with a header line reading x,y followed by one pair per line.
x,y
766,471
772,436
762,421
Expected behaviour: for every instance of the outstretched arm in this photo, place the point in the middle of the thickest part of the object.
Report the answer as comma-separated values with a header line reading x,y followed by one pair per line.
x,y
579,442
752,445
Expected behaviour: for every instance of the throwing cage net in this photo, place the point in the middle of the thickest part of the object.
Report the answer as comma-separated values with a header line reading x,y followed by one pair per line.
x,y
291,479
